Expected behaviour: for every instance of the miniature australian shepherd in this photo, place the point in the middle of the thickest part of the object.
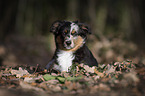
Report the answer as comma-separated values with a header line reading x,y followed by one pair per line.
x,y
70,38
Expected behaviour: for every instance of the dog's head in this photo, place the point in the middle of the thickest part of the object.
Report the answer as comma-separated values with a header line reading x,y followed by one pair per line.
x,y
69,35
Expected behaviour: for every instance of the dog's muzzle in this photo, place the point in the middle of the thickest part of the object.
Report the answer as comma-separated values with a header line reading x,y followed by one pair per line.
x,y
68,44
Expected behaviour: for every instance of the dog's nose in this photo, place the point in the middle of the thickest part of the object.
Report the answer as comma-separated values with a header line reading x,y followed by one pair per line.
x,y
68,42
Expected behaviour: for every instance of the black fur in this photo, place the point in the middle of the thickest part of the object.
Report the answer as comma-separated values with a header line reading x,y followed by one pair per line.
x,y
84,55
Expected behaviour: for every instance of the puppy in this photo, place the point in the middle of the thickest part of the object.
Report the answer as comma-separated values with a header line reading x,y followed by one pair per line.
x,y
70,40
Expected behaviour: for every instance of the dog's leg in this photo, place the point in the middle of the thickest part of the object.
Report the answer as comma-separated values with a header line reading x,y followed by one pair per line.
x,y
50,64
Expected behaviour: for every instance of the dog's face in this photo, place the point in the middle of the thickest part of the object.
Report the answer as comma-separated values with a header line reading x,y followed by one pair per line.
x,y
69,35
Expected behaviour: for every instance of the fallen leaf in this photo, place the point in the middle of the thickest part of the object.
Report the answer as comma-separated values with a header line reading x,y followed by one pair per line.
x,y
69,85
61,79
104,87
99,73
19,73
28,86
29,79
131,78
89,69
55,88
73,78
52,82
48,77
110,69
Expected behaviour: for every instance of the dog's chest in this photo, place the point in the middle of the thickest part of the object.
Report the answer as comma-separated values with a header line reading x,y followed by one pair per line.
x,y
64,60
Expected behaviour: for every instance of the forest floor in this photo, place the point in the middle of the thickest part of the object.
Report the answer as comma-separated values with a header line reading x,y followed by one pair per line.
x,y
117,79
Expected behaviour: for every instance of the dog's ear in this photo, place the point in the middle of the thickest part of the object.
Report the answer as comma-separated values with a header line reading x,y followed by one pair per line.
x,y
55,27
85,28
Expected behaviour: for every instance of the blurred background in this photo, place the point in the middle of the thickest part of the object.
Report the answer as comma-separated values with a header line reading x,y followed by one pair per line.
x,y
118,29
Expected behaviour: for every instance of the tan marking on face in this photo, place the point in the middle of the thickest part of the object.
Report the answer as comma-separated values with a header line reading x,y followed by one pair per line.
x,y
65,31
73,31
78,43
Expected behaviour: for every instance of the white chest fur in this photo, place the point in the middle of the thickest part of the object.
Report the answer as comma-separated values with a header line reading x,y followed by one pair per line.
x,y
64,60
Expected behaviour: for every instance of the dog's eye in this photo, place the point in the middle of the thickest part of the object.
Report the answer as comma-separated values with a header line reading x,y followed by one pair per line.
x,y
65,32
73,32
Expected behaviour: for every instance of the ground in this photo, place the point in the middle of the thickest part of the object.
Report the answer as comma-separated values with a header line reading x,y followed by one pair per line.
x,y
118,78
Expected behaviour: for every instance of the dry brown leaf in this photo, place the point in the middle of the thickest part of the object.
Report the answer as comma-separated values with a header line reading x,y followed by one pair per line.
x,y
89,69
19,73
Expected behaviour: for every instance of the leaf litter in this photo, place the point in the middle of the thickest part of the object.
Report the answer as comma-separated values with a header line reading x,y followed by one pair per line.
x,y
81,79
